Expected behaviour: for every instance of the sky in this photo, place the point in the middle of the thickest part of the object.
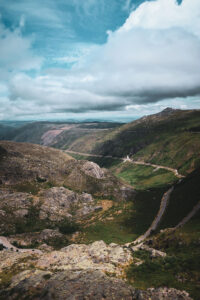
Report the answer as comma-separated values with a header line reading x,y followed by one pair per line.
x,y
98,59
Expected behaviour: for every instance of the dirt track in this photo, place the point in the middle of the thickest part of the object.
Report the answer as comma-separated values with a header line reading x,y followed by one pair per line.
x,y
175,171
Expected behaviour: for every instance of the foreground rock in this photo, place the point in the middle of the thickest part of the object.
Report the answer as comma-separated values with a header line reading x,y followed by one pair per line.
x,y
75,272
98,256
68,285
88,284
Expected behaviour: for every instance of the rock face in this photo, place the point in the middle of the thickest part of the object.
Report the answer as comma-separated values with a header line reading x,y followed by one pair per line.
x,y
84,176
59,203
89,284
69,285
92,169
74,272
13,206
54,205
99,256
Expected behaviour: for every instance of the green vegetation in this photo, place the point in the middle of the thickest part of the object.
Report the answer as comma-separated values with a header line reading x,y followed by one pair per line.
x,y
27,187
33,187
140,177
109,232
165,139
31,223
125,222
143,177
67,227
179,269
180,151
58,242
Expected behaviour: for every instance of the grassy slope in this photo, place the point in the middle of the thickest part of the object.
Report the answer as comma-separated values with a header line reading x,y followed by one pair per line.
x,y
179,150
143,177
123,223
181,267
161,138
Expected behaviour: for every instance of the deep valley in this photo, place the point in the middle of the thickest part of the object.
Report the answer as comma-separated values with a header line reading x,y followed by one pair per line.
x,y
101,210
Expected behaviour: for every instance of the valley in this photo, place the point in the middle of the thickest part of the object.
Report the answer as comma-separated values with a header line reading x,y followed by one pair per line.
x,y
86,208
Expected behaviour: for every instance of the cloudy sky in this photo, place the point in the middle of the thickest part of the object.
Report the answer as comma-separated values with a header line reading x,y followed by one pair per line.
x,y
98,59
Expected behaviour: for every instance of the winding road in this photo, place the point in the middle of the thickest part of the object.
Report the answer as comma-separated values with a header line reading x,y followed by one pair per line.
x,y
136,162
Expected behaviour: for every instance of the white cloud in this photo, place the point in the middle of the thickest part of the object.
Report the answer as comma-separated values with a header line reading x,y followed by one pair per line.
x,y
15,52
153,58
164,14
155,55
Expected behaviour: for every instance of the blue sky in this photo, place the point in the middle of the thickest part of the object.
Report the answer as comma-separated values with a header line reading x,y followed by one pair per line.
x,y
65,27
116,59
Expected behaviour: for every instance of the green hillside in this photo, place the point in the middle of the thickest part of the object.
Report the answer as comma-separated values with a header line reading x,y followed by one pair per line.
x,y
170,138
143,177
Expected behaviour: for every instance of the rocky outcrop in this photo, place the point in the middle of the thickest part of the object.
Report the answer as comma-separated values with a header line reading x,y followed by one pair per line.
x,y
89,284
164,294
14,201
50,205
99,256
84,176
92,169
74,272
68,285
13,206
59,203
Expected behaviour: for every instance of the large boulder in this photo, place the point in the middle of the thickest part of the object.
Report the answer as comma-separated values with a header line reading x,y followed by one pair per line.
x,y
92,169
